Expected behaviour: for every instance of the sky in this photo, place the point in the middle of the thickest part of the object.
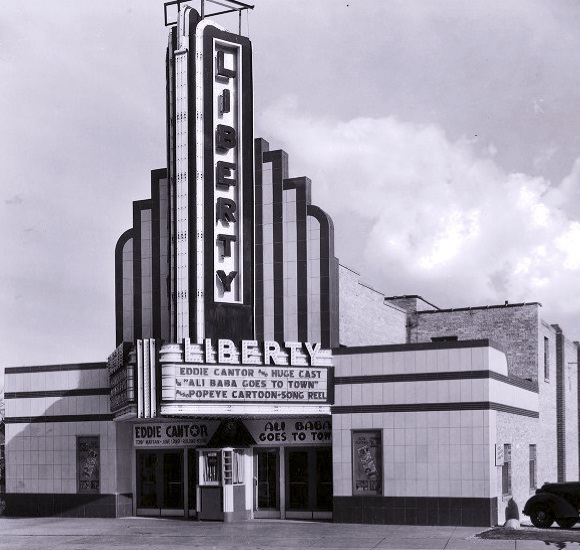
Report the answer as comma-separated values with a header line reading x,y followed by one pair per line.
x,y
442,136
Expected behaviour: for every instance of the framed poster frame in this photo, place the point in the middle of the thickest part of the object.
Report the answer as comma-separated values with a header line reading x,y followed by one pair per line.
x,y
367,462
88,464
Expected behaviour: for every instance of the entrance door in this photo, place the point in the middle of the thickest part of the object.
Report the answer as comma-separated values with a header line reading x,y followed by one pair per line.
x,y
192,483
323,482
267,497
160,483
309,483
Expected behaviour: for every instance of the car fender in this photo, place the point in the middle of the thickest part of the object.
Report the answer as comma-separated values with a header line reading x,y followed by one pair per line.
x,y
560,507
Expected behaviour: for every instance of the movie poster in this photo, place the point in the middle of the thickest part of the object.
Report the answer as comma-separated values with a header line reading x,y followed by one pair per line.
x,y
88,464
367,464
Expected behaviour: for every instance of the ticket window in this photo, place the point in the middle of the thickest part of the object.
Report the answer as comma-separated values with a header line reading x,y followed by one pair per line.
x,y
221,484
210,467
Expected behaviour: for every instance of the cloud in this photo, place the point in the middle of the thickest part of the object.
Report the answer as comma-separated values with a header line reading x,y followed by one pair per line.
x,y
442,221
15,199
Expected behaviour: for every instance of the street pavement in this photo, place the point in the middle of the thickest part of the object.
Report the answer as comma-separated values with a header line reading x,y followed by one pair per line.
x,y
167,534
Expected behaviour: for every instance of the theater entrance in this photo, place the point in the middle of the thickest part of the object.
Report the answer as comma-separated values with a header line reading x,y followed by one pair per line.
x,y
161,483
293,482
309,483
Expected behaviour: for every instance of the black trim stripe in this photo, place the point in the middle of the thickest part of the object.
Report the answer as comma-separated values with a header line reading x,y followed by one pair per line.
x,y
164,260
56,368
302,186
329,283
457,344
279,160
119,305
434,407
416,510
171,140
138,208
50,419
57,393
156,283
434,376
260,147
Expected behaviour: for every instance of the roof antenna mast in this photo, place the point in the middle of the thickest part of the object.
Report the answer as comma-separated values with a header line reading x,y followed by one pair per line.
x,y
229,5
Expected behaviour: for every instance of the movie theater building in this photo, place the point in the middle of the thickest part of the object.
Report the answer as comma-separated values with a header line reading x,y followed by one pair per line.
x,y
256,377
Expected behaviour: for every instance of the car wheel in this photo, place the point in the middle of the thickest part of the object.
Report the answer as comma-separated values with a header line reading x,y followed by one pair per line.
x,y
541,516
566,523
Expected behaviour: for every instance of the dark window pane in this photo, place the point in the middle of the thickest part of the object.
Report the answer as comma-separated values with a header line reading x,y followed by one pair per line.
x,y
267,478
324,479
298,480
172,481
147,488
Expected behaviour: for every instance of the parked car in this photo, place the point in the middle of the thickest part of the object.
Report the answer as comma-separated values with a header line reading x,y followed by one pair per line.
x,y
558,502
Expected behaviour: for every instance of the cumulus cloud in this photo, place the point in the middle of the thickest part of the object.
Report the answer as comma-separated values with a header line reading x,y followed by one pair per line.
x,y
15,199
442,221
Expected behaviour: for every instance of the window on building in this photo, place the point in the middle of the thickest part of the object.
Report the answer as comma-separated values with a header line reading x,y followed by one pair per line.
x,y
211,467
88,464
506,470
533,466
546,358
233,467
222,466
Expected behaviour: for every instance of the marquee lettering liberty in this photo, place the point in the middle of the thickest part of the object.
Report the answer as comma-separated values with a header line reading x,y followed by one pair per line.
x,y
223,174
225,137
221,68
225,209
226,279
226,140
227,241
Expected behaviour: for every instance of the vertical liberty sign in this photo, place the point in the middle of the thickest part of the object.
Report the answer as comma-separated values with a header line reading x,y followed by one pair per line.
x,y
228,213
225,112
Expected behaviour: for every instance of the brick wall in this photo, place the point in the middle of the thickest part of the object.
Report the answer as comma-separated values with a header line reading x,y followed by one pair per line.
x,y
560,404
365,317
555,434
520,433
514,327
570,383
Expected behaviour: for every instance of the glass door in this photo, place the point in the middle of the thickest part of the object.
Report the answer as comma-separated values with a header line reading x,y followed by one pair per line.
x,y
324,479
160,483
297,495
267,497
147,503
192,482
172,484
309,483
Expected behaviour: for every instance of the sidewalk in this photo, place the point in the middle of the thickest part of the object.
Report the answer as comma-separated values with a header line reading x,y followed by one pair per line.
x,y
167,534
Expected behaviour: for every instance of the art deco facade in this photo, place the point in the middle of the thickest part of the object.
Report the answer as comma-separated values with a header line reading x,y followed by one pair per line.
x,y
254,376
